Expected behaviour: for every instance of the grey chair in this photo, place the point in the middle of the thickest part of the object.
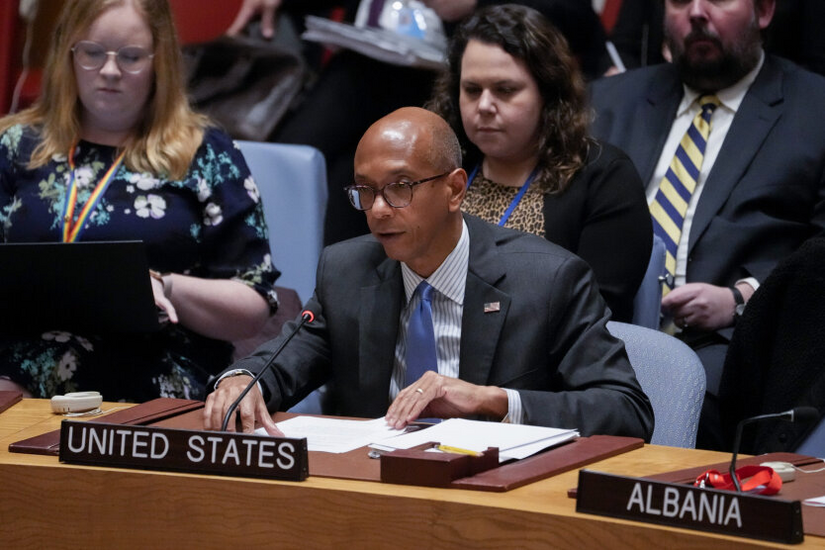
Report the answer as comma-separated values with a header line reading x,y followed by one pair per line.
x,y
672,376
292,180
648,299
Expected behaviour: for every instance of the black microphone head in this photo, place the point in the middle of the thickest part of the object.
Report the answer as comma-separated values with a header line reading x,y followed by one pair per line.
x,y
805,414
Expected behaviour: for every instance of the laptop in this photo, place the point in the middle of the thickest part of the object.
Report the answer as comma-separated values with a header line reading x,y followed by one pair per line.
x,y
92,287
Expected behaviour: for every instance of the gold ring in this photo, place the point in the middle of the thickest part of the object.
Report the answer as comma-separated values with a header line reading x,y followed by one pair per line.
x,y
419,390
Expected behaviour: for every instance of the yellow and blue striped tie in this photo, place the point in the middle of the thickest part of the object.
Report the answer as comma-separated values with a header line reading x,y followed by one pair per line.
x,y
670,205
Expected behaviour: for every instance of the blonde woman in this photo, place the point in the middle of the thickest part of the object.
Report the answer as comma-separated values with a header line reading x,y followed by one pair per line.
x,y
112,151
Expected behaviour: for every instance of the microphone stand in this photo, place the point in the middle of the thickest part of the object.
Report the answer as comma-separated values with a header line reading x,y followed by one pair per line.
x,y
306,317
799,413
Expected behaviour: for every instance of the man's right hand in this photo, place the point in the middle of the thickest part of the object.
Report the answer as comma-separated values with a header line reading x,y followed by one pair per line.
x,y
252,407
251,8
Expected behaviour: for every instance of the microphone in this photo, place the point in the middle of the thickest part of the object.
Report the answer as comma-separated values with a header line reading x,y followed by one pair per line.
x,y
799,414
306,317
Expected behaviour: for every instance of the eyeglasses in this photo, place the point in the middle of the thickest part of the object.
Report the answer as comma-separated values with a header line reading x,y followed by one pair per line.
x,y
92,56
397,194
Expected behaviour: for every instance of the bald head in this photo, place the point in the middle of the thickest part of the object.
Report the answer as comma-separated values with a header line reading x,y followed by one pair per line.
x,y
417,132
419,148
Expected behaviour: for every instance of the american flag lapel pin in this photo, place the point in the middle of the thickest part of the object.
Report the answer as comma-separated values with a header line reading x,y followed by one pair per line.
x,y
492,307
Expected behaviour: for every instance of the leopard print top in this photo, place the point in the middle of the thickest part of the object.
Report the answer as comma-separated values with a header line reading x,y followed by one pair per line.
x,y
489,200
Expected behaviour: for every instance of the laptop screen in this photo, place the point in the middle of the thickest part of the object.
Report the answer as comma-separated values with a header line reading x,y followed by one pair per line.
x,y
92,287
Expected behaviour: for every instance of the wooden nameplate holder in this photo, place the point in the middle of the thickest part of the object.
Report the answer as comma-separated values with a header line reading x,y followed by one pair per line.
x,y
419,466
139,415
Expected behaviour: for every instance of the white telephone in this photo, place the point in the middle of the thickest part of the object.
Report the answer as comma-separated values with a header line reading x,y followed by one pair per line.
x,y
76,402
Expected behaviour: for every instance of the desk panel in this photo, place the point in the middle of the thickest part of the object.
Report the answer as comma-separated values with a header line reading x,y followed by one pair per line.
x,y
48,504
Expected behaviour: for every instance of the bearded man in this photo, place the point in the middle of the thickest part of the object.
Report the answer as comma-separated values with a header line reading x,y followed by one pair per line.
x,y
731,145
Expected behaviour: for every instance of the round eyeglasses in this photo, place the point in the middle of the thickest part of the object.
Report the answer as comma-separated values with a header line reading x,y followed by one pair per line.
x,y
92,56
397,194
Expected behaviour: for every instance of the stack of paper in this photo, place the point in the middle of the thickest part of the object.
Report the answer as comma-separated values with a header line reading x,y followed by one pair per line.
x,y
332,435
514,441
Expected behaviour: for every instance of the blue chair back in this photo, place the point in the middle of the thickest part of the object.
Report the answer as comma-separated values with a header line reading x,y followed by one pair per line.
x,y
673,378
648,300
292,180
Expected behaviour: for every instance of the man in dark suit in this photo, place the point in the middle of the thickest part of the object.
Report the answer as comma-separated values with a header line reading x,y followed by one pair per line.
x,y
519,326
760,191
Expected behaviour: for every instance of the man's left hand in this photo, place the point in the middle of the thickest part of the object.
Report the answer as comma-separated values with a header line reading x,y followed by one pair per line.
x,y
701,306
437,396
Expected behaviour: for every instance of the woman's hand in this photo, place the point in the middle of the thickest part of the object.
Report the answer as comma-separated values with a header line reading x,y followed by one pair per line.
x,y
162,289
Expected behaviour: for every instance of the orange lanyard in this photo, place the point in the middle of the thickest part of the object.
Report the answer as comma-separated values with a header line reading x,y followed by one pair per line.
x,y
72,228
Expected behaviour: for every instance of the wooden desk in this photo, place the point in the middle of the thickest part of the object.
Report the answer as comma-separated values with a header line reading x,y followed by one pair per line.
x,y
51,505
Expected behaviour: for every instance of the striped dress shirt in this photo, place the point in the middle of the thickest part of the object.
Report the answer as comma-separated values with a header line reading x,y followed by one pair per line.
x,y
449,282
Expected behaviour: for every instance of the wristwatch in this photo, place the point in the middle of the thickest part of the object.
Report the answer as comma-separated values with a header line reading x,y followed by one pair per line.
x,y
739,309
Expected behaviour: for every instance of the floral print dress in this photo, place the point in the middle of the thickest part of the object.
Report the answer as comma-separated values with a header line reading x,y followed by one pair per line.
x,y
209,224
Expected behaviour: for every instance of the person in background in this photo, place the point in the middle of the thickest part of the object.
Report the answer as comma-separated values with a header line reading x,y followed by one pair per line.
x,y
774,362
514,96
731,146
353,90
440,314
795,33
112,151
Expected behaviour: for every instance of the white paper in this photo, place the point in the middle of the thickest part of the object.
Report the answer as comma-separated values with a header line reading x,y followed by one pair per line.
x,y
513,440
333,435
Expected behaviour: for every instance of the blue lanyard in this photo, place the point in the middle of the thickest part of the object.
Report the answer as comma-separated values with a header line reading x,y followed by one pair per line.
x,y
516,199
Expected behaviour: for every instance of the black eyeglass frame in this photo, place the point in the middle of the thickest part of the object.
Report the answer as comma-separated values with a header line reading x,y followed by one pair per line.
x,y
411,184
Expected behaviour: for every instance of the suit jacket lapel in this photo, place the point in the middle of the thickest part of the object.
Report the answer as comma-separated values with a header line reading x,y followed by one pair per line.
x,y
480,331
378,327
759,111
653,122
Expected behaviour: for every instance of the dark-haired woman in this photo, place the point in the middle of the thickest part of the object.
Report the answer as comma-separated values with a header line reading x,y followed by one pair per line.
x,y
516,99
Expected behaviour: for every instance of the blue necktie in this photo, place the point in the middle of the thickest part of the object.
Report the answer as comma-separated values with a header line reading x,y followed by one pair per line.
x,y
421,355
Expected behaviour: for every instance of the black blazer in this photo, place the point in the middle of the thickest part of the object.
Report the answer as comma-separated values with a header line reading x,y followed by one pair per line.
x,y
774,362
548,340
603,217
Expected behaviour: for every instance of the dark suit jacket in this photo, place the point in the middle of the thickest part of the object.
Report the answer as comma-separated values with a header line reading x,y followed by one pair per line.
x,y
766,192
548,339
775,358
